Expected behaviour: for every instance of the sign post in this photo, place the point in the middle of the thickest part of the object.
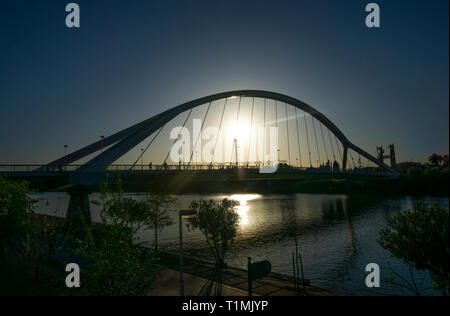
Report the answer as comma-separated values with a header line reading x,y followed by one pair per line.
x,y
256,271
249,269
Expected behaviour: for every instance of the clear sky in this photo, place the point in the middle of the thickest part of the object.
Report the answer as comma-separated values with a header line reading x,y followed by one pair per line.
x,y
130,60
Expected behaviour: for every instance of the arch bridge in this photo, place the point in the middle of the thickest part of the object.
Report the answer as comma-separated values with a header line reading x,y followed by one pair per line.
x,y
308,140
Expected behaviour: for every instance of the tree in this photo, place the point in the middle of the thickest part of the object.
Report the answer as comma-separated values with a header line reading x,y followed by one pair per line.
x,y
218,222
415,173
43,236
435,160
15,209
420,237
116,261
50,230
156,215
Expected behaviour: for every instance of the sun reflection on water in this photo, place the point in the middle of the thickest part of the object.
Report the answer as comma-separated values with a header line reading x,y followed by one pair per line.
x,y
243,207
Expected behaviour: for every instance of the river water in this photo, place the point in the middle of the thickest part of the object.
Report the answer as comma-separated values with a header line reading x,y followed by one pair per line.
x,y
337,236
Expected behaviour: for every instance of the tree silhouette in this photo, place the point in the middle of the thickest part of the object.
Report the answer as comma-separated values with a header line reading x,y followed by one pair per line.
x,y
219,223
435,160
420,237
157,217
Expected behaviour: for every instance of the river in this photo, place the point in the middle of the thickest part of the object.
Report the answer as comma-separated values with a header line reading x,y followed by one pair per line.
x,y
337,236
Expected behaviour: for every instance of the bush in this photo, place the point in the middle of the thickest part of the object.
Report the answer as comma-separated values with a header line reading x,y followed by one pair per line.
x,y
421,237
415,173
116,262
218,222
15,209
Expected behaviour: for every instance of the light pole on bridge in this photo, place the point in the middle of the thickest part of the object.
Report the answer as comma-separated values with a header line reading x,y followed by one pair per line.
x,y
102,138
65,156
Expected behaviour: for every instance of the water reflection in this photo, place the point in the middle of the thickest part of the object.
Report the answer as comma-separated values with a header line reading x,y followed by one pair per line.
x,y
243,208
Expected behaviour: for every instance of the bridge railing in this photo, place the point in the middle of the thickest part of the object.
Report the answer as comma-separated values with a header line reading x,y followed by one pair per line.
x,y
140,167
35,167
204,167
12,168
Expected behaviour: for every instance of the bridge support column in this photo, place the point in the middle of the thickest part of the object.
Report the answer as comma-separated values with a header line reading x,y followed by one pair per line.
x,y
344,159
78,204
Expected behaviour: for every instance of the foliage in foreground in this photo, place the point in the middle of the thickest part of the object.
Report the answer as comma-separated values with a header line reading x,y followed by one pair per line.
x,y
157,217
117,263
15,209
420,237
218,222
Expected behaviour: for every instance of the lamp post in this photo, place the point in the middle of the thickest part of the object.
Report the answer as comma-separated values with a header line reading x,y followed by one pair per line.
x,y
142,158
236,151
102,138
183,214
65,156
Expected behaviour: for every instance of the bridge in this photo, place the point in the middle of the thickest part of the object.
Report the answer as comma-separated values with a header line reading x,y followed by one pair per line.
x,y
254,139
306,141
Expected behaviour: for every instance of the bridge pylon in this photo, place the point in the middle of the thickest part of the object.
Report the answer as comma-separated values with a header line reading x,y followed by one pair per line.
x,y
78,205
381,156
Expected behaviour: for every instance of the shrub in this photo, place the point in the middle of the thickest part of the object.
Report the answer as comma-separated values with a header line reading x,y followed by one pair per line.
x,y
15,209
218,222
421,237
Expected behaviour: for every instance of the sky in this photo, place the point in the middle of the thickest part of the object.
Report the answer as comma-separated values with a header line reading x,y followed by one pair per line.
x,y
131,60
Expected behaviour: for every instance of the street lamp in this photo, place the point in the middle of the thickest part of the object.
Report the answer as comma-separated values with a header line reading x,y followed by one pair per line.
x,y
65,156
183,214
142,158
102,138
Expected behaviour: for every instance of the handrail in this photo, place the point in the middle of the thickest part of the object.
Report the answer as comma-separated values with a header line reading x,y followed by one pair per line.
x,y
164,167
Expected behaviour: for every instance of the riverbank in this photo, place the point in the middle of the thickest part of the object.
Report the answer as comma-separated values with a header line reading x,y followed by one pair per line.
x,y
434,182
20,278
234,280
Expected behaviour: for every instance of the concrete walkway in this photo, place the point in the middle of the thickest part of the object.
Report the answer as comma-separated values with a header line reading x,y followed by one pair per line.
x,y
235,283
168,284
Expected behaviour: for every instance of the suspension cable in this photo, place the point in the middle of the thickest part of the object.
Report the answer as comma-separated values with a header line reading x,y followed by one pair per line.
x,y
220,126
176,139
324,144
315,137
250,133
287,130
331,143
276,126
198,136
351,156
237,122
307,139
264,137
298,137
149,144
339,149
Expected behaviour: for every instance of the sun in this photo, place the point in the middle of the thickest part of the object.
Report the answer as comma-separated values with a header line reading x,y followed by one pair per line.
x,y
239,132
